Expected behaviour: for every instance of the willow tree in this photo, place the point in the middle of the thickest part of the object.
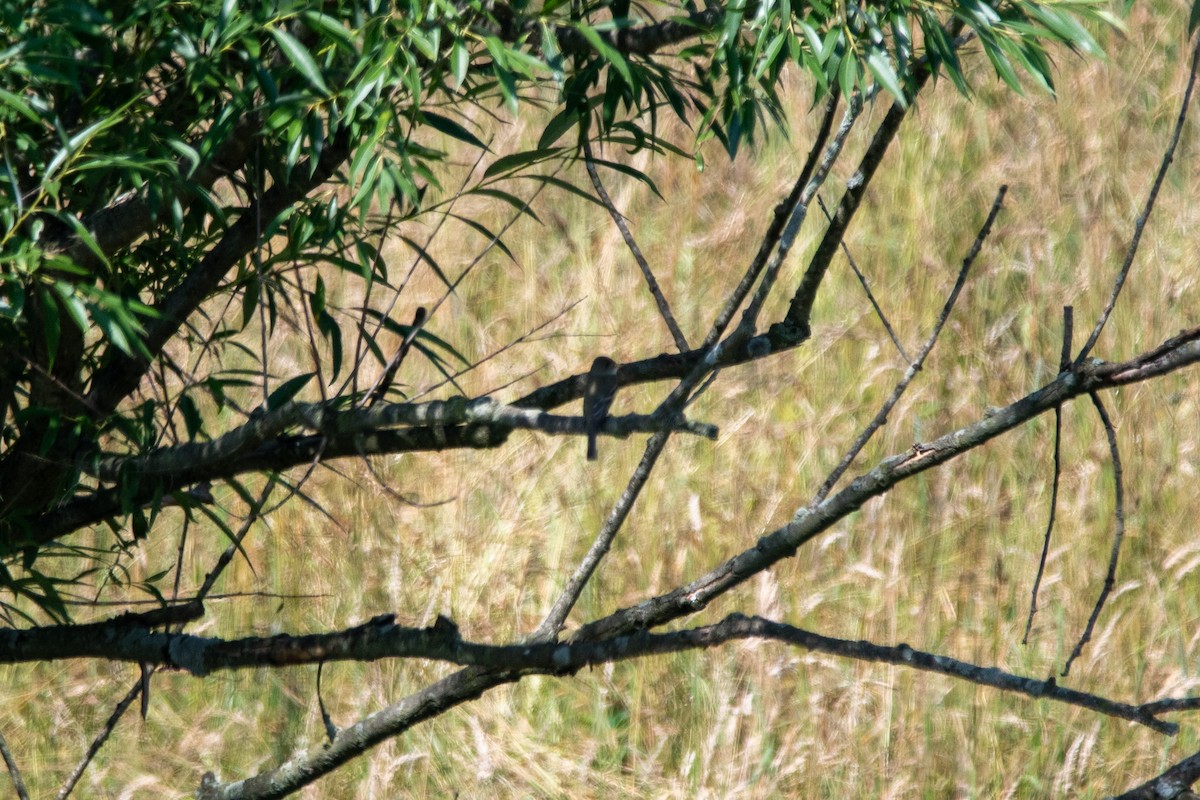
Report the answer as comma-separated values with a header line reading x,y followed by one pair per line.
x,y
182,183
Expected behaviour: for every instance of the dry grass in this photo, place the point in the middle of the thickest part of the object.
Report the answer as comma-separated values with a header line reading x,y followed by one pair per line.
x,y
944,563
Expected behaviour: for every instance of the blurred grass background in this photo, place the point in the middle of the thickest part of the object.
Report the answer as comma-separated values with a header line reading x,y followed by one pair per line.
x,y
944,563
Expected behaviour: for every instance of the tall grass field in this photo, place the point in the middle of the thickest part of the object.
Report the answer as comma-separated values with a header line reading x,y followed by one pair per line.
x,y
944,563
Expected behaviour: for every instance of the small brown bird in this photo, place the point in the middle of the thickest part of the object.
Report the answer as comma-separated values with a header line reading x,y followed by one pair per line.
x,y
598,396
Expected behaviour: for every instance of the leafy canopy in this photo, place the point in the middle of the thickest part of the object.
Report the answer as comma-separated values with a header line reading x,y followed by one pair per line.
x,y
164,162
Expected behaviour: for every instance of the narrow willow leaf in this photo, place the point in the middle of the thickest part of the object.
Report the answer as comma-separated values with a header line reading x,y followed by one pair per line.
x,y
460,59
881,67
288,390
452,129
517,160
301,59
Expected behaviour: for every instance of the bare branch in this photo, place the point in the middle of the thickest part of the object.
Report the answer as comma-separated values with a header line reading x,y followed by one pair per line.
x,y
290,451
915,367
1064,361
862,280
783,212
1140,225
774,248
209,458
1118,535
106,730
797,321
557,617
558,659
381,637
1174,782
809,522
664,308
380,389
13,771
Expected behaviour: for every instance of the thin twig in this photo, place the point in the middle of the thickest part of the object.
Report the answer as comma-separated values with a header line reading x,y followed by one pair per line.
x,y
854,108
476,364
496,238
1064,361
105,731
797,321
380,389
915,366
11,763
862,279
136,690
360,350
556,618
492,242
331,730
1140,224
1118,535
789,215
664,308
219,596
783,213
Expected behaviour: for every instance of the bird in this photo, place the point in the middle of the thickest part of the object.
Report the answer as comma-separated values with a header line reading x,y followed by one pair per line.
x,y
598,394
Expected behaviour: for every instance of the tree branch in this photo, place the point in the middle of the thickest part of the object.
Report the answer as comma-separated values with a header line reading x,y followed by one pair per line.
x,y
382,638
1140,224
915,366
1172,783
799,313
808,523
119,376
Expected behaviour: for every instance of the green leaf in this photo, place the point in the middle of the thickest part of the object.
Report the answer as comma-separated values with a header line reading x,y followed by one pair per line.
x,y
460,59
881,67
625,169
73,305
452,129
333,28
76,143
191,416
301,59
517,160
425,256
12,298
329,328
607,52
559,124
19,105
316,300
287,390
566,186
112,330
483,230
51,327
507,81
251,291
